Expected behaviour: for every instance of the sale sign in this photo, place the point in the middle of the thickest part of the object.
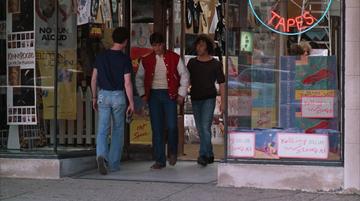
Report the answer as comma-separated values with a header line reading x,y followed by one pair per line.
x,y
317,107
241,145
299,145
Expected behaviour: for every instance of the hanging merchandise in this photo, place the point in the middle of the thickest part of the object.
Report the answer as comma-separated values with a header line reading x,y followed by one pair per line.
x,y
106,10
219,32
94,8
204,18
196,17
189,13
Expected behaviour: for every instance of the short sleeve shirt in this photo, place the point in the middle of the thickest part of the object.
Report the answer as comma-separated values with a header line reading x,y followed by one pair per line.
x,y
111,66
203,76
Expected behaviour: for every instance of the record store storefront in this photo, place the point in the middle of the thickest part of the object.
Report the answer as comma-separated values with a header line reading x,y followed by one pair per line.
x,y
292,91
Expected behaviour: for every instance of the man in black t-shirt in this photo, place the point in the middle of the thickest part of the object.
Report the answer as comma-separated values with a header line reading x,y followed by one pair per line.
x,y
204,72
112,76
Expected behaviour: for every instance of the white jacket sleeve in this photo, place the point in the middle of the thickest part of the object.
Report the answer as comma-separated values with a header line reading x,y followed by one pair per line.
x,y
139,80
184,78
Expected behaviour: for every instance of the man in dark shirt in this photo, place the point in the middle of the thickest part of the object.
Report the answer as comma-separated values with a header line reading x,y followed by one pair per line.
x,y
204,72
112,76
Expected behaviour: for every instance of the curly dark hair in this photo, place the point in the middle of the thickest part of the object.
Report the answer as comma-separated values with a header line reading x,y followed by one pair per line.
x,y
210,45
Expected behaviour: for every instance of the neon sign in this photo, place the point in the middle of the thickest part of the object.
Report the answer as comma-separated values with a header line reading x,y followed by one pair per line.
x,y
282,25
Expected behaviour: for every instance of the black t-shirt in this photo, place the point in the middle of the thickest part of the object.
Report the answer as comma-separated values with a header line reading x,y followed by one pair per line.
x,y
112,65
203,76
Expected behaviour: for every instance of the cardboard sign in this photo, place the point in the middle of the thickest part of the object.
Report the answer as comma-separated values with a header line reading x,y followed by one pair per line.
x,y
299,145
317,107
241,145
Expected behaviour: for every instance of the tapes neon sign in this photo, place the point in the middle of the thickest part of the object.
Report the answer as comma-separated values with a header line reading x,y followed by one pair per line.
x,y
290,26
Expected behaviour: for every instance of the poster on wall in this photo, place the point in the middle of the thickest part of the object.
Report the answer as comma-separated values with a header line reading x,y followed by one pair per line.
x,y
45,34
241,145
46,25
66,83
21,72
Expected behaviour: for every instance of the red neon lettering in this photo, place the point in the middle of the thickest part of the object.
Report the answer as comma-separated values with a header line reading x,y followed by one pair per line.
x,y
309,19
300,22
290,23
274,15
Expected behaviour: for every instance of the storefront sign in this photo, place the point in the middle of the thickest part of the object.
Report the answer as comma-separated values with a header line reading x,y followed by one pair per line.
x,y
299,145
317,107
283,25
242,145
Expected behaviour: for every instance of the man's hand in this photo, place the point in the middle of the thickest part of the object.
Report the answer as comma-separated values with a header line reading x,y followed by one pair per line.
x,y
180,100
94,104
144,99
130,109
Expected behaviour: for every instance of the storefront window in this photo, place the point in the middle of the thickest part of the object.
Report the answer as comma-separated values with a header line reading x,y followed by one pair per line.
x,y
44,59
284,93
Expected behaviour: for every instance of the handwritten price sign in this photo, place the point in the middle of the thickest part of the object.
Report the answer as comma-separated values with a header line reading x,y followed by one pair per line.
x,y
317,107
242,145
311,146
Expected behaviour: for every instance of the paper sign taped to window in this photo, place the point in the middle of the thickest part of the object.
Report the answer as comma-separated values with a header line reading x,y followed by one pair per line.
x,y
299,145
241,145
317,107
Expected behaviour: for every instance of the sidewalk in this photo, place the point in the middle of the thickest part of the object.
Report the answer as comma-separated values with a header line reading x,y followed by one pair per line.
x,y
69,189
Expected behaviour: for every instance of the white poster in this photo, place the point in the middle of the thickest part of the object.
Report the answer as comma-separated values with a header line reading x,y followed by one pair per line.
x,y
301,145
317,107
21,73
84,14
241,145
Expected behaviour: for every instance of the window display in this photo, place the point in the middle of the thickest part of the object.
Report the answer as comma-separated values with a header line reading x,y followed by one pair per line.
x,y
283,91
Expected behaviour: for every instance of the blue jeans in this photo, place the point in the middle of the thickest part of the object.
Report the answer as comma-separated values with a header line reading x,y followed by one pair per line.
x,y
204,113
111,107
163,110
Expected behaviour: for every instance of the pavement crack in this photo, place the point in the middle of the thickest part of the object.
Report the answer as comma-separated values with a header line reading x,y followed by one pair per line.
x,y
176,192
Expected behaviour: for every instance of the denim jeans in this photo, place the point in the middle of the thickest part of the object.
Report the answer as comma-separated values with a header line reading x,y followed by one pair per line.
x,y
204,113
163,110
111,110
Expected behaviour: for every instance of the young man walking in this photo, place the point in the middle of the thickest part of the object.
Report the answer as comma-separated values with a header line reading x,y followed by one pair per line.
x,y
162,80
112,75
204,72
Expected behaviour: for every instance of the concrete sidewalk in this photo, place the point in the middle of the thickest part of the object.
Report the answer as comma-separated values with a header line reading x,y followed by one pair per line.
x,y
69,189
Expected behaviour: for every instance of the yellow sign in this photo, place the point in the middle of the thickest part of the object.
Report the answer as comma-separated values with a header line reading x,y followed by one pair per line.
x,y
66,83
140,131
320,93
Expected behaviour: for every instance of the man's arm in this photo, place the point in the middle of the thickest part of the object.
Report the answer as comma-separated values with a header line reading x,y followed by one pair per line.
x,y
222,94
94,88
139,80
129,92
184,79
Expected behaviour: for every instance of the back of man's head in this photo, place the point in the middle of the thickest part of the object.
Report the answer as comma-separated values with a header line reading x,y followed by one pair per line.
x,y
120,35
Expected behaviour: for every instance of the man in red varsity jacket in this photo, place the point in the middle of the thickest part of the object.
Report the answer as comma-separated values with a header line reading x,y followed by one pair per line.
x,y
162,80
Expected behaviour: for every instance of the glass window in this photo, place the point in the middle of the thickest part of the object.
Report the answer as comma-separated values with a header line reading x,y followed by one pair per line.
x,y
283,80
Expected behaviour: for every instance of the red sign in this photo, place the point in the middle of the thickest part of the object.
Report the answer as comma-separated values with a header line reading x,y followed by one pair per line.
x,y
300,22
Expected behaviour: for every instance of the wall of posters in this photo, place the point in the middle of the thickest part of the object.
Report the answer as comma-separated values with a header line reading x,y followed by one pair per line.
x,y
21,73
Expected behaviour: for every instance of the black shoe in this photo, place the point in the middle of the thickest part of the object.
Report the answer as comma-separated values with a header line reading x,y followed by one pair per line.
x,y
210,160
203,161
172,160
102,165
157,166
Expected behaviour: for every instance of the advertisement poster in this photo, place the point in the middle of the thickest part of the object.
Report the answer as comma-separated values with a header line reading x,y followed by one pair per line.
x,y
20,42
66,83
45,34
317,107
239,105
46,25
